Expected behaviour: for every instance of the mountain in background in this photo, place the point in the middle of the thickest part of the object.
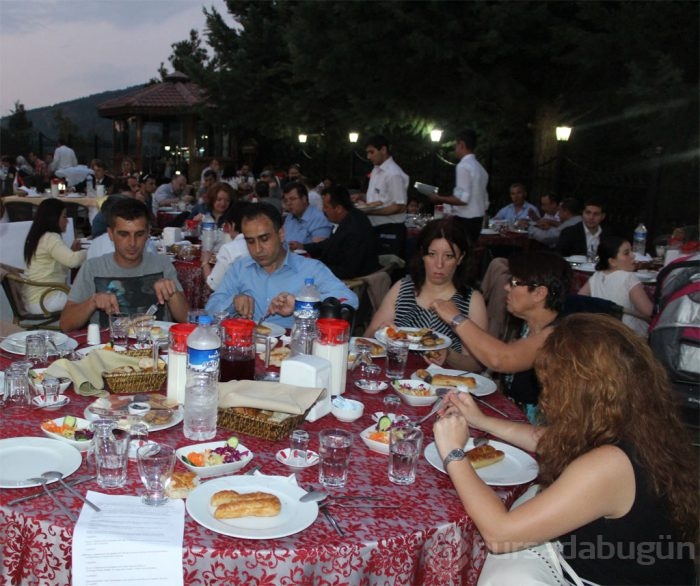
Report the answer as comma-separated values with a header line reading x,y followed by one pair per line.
x,y
82,111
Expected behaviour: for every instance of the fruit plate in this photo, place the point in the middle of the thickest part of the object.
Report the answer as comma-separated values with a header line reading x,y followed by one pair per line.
x,y
80,423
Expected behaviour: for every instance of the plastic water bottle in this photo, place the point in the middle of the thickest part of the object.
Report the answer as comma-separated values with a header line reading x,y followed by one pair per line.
x,y
203,348
208,235
306,308
639,245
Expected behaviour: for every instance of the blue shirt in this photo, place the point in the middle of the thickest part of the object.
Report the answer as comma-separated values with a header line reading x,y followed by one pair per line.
x,y
312,224
508,212
246,277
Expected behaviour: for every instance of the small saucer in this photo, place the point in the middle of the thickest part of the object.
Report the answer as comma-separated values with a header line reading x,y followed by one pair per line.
x,y
41,404
371,387
311,459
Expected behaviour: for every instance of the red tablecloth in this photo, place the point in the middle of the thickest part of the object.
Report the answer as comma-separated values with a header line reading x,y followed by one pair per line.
x,y
429,540
189,273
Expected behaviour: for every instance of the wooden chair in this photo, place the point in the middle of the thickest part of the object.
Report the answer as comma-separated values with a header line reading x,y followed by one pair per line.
x,y
13,280
370,290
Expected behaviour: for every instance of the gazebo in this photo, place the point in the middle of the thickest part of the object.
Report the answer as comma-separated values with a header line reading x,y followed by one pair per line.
x,y
160,126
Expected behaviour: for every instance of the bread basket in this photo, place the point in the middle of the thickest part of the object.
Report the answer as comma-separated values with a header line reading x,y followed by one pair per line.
x,y
259,424
126,383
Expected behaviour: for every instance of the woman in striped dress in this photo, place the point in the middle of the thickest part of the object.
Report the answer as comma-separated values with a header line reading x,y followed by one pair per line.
x,y
440,270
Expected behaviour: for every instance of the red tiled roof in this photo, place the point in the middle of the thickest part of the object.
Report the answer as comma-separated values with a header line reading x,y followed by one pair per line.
x,y
175,95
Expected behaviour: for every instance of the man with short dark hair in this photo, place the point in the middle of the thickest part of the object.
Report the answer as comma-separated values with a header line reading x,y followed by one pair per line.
x,y
569,214
469,200
352,250
170,193
549,205
266,282
304,224
209,178
584,237
386,197
519,210
126,280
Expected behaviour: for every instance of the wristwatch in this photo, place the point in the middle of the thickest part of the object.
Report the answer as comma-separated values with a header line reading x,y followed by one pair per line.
x,y
458,319
456,454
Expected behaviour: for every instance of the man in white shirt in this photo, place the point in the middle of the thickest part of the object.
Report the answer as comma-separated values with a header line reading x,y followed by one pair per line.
x,y
169,193
520,210
63,157
469,200
386,197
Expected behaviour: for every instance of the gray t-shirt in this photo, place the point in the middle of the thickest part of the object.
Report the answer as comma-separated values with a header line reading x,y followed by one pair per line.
x,y
132,286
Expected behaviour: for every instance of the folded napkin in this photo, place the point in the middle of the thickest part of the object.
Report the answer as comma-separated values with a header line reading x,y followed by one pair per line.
x,y
267,395
86,374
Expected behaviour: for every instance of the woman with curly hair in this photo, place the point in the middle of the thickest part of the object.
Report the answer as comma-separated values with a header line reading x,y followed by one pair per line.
x,y
48,258
619,476
440,270
216,202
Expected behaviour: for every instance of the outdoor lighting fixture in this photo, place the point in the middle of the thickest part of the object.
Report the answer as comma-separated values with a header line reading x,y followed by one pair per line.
x,y
167,148
563,133
353,136
302,138
435,135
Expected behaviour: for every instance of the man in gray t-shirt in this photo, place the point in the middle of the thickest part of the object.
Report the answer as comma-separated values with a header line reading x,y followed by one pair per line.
x,y
127,279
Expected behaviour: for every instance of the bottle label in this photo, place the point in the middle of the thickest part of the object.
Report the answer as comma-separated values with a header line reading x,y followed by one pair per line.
x,y
203,360
306,307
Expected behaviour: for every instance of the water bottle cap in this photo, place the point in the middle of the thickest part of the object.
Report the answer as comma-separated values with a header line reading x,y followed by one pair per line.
x,y
204,320
308,281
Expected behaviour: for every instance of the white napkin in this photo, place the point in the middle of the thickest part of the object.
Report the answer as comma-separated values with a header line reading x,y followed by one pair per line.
x,y
268,395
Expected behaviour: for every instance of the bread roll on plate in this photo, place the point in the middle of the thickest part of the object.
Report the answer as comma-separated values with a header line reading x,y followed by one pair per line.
x,y
252,504
485,455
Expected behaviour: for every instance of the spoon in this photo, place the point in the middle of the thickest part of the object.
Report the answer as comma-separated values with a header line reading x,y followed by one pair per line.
x,y
41,480
440,392
319,495
56,475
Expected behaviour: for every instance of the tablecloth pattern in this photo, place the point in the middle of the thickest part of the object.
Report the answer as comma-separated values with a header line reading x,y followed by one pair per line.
x,y
428,540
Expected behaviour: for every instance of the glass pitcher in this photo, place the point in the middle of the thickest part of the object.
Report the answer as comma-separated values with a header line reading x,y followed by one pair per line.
x,y
237,350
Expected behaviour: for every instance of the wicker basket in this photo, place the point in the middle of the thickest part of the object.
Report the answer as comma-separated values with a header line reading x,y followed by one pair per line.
x,y
256,426
127,383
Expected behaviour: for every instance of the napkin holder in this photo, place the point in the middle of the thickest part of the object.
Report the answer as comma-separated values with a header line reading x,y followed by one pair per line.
x,y
309,371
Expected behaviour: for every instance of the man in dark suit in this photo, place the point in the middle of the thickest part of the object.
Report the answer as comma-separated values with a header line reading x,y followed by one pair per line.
x,y
584,237
351,251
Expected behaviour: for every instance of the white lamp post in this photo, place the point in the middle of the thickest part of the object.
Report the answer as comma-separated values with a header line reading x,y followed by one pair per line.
x,y
435,135
302,138
563,133
353,136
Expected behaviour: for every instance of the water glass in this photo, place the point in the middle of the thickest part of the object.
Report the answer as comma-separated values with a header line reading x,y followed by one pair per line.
x,y
119,329
138,436
396,356
111,451
405,442
155,463
298,444
50,388
35,349
17,388
201,404
142,323
334,451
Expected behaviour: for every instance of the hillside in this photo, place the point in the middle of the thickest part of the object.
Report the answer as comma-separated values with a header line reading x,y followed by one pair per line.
x,y
82,111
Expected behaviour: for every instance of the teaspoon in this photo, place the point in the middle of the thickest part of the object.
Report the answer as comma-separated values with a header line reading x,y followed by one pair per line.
x,y
41,480
56,475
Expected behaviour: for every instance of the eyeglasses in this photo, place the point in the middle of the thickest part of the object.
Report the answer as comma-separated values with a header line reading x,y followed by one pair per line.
x,y
514,282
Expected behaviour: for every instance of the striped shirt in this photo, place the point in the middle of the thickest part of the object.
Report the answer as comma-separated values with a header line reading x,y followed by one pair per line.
x,y
408,314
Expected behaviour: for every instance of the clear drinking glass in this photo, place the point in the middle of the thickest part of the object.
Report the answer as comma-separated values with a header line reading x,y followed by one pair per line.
x,y
155,463
111,451
142,323
16,388
334,451
50,388
298,444
405,442
35,348
396,356
119,329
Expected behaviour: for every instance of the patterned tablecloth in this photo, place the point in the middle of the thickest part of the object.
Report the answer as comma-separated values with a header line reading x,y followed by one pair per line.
x,y
189,273
428,540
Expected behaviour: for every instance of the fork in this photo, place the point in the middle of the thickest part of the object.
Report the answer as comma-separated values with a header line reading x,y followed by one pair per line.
x,y
328,515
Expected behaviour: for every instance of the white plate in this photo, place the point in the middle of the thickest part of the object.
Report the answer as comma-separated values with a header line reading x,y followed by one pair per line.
x,y
293,518
647,276
177,417
576,258
353,348
446,342
163,325
219,469
415,400
81,423
59,404
312,459
585,267
517,467
425,188
22,458
484,386
375,446
39,387
16,343
371,387
275,330
488,232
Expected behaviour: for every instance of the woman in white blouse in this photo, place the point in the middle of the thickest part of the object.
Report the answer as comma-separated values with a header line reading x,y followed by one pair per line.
x,y
48,258
616,281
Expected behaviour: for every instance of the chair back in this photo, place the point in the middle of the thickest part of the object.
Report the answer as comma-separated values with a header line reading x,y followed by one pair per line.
x,y
587,304
13,280
20,211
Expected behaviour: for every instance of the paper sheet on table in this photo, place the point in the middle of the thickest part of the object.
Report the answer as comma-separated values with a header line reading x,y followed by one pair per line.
x,y
128,543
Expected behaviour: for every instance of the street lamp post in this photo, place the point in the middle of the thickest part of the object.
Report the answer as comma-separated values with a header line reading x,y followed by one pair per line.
x,y
435,136
562,133
353,138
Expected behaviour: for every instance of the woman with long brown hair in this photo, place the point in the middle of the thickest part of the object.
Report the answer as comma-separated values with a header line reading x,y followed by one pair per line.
x,y
619,475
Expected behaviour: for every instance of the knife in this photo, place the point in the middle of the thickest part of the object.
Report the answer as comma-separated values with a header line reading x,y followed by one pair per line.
x,y
485,404
42,493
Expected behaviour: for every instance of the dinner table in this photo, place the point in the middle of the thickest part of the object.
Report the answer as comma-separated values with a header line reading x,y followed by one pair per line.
x,y
426,539
92,204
